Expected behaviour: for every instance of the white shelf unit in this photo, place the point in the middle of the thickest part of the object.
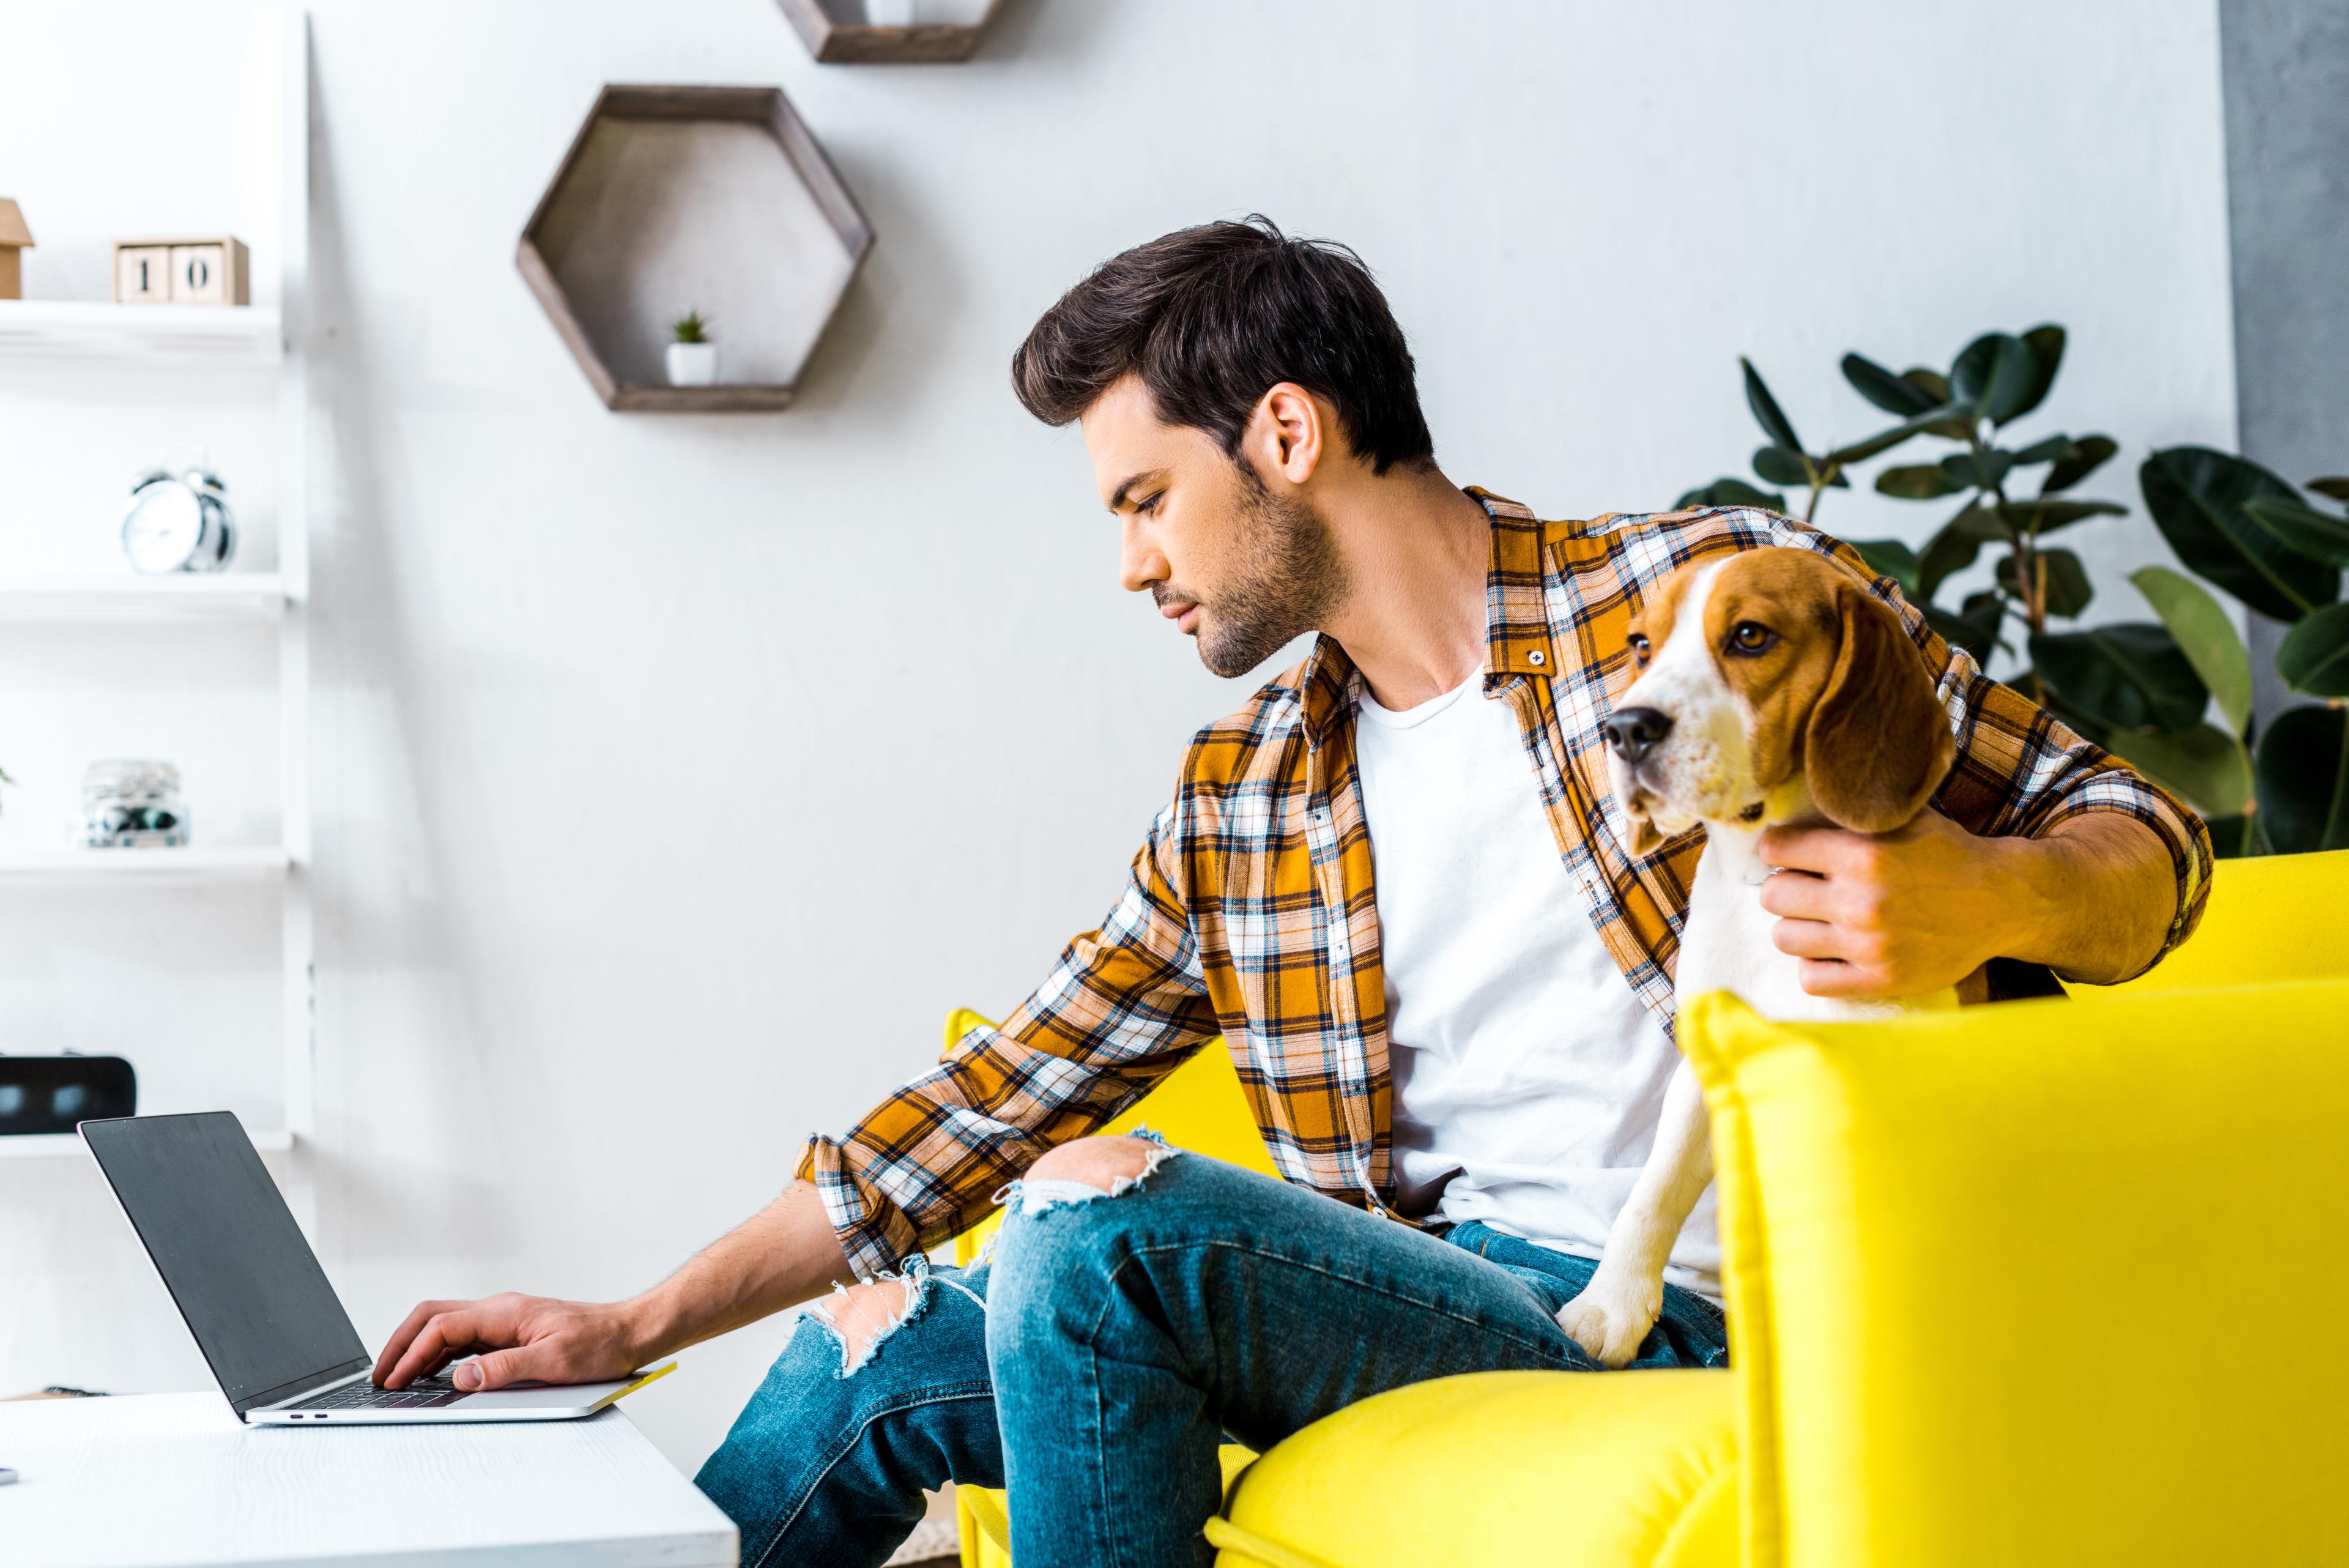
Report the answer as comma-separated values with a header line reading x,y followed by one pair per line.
x,y
183,596
110,868
212,335
54,1146
220,340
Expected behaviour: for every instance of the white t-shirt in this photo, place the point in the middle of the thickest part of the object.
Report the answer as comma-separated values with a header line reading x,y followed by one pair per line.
x,y
1520,1056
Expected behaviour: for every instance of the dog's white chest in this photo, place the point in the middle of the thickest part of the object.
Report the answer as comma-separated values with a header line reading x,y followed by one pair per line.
x,y
1725,944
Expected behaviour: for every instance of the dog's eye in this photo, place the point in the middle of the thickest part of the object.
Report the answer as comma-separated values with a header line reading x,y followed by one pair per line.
x,y
1638,645
1749,637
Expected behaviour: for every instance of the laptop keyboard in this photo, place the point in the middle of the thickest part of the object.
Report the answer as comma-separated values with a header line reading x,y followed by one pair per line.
x,y
424,1394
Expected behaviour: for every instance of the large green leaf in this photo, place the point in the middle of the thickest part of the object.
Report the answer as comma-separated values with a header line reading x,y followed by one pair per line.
x,y
2069,588
2303,530
1982,524
1935,386
2205,764
1772,419
2336,488
2303,776
1985,470
1993,376
1885,441
2088,454
2206,634
2197,495
2046,346
2133,675
1779,466
2314,656
1731,493
2092,729
2044,516
1890,558
1918,481
1887,391
1974,627
1946,554
1932,383
2050,450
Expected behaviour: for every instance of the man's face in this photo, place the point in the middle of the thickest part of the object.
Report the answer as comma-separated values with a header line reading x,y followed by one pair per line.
x,y
1228,562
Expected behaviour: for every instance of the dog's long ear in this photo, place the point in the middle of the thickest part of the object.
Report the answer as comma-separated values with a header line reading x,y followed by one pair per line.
x,y
1878,744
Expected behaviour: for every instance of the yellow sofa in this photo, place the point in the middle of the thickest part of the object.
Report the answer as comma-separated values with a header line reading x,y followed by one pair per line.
x,y
2044,1282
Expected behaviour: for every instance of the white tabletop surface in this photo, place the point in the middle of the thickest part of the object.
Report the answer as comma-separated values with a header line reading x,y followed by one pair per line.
x,y
163,1481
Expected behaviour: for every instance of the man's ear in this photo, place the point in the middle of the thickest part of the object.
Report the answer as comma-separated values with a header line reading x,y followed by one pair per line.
x,y
1878,744
1291,428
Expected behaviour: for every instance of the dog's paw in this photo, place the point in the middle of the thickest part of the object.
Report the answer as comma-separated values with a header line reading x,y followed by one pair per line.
x,y
1612,1317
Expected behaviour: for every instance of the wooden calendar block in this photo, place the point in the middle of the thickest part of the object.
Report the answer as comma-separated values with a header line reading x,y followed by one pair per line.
x,y
206,270
142,274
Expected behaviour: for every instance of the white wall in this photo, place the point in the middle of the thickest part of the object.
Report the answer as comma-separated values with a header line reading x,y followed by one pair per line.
x,y
678,774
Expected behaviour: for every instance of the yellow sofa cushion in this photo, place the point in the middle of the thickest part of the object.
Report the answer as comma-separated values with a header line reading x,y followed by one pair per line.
x,y
2037,1284
1623,1470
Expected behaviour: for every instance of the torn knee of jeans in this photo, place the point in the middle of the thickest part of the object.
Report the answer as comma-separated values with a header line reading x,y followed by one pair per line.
x,y
860,1316
1119,1168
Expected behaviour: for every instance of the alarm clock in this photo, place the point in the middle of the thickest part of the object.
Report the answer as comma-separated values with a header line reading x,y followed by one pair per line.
x,y
179,523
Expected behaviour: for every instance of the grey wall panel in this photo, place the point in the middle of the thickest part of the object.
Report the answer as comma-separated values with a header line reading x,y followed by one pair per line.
x,y
2286,70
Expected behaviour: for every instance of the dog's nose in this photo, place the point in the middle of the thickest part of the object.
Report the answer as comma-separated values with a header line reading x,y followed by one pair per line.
x,y
1633,733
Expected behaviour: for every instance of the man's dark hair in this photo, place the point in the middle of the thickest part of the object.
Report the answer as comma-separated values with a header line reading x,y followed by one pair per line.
x,y
1212,317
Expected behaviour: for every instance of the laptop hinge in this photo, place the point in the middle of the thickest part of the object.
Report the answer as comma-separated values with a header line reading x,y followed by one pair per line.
x,y
301,1387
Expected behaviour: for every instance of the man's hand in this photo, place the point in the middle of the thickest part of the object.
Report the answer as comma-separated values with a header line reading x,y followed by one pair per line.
x,y
1897,914
779,1257
524,1337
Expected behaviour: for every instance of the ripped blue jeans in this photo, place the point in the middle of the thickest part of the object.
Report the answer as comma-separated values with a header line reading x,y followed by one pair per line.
x,y
1097,1359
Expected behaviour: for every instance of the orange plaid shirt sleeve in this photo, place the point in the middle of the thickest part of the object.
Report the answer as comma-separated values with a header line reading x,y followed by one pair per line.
x,y
1251,911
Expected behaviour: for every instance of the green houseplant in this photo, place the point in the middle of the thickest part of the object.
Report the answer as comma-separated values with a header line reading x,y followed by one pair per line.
x,y
2241,527
2140,689
692,357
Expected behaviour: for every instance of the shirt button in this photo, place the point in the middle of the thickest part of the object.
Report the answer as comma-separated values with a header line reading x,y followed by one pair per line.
x,y
1536,657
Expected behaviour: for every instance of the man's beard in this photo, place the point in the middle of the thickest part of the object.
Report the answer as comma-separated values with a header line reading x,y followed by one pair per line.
x,y
1286,577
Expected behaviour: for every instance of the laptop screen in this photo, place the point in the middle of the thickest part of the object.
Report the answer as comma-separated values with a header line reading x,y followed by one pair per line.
x,y
227,1247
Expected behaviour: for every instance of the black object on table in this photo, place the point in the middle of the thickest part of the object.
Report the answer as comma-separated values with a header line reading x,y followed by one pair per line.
x,y
56,1094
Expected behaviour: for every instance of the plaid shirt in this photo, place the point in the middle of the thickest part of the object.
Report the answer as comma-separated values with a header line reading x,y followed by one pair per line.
x,y
1252,913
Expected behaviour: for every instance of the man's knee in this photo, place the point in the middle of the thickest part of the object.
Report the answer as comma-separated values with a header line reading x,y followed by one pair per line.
x,y
1108,1164
861,1315
1078,1197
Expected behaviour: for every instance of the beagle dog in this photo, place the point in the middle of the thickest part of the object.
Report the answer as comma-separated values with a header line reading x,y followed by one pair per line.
x,y
1772,688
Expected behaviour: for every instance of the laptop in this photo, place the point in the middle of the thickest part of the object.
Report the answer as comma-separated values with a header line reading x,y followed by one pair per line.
x,y
276,1334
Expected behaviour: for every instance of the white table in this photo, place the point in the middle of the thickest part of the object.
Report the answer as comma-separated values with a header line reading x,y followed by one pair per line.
x,y
171,1480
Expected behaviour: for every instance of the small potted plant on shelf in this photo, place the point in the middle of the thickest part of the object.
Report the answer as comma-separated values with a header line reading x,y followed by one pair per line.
x,y
692,357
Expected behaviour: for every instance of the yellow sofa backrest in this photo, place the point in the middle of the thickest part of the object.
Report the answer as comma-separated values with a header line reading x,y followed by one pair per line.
x,y
2272,917
2037,1283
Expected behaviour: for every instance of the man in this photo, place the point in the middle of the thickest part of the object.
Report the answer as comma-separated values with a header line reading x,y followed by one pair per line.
x,y
1464,1046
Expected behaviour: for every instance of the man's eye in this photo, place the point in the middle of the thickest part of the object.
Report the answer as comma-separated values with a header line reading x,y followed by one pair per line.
x,y
1751,637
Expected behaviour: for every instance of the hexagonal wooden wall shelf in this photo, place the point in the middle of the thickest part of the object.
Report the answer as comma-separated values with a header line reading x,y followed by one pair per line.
x,y
709,199
871,32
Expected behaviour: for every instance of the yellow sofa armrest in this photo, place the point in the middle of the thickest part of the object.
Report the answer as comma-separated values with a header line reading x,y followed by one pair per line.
x,y
2014,1285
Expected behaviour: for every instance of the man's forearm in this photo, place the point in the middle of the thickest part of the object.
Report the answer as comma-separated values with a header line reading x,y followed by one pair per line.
x,y
779,1257
2100,892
